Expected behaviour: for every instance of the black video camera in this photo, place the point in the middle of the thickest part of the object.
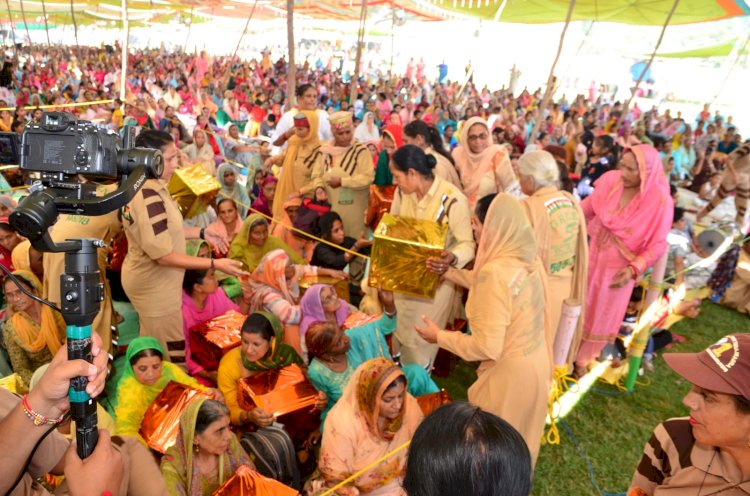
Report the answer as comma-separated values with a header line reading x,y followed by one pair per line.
x,y
60,144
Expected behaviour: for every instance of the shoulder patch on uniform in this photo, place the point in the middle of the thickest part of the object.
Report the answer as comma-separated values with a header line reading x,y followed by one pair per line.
x,y
148,192
160,227
156,208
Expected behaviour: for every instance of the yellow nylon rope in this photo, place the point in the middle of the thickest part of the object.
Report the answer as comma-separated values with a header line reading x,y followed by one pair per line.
x,y
360,472
60,105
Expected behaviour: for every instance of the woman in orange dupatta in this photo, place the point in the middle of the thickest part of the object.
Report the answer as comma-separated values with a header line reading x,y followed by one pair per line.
x,y
302,246
628,217
483,167
33,332
510,332
374,416
298,160
560,232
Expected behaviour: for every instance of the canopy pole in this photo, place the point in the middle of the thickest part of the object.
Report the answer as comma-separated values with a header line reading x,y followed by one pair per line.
x,y
12,31
626,109
184,49
550,80
75,28
124,46
239,42
46,26
358,57
731,68
291,74
25,24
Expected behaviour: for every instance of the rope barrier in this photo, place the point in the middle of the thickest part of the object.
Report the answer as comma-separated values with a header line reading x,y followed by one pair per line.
x,y
369,467
59,105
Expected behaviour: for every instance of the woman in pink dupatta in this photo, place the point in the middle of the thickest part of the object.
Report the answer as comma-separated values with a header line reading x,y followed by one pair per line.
x,y
628,217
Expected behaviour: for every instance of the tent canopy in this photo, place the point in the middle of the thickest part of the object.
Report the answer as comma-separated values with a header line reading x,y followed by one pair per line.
x,y
720,50
642,12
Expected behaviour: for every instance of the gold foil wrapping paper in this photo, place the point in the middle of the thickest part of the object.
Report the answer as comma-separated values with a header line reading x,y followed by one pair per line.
x,y
287,394
340,285
13,383
192,188
399,254
211,340
161,422
379,204
248,482
431,402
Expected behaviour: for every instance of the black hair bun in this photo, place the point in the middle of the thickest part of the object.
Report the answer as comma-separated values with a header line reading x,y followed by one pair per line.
x,y
431,162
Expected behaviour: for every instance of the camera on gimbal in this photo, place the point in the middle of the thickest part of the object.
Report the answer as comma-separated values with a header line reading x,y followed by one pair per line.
x,y
60,144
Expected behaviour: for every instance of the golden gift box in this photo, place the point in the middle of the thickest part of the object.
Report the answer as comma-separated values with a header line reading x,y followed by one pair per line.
x,y
161,422
287,395
248,482
379,204
428,403
13,383
400,250
192,188
340,285
212,339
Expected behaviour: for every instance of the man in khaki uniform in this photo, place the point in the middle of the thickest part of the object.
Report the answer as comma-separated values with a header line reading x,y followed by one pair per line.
x,y
156,261
345,170
103,227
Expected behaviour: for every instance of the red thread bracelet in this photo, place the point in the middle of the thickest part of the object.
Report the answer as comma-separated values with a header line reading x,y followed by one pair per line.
x,y
35,417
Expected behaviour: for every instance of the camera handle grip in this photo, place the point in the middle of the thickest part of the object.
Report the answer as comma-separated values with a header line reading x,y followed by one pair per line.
x,y
82,406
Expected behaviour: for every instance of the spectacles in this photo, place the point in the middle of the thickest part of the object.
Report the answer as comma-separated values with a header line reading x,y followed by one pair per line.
x,y
474,137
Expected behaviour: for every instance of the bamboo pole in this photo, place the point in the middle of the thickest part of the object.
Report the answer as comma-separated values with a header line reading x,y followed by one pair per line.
x,y
12,31
46,25
358,57
550,79
184,49
25,24
626,109
75,28
291,75
239,42
124,47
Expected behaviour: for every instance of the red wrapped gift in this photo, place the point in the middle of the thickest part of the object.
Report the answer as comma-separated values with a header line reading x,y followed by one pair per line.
x,y
211,340
287,394
431,402
248,482
380,201
161,422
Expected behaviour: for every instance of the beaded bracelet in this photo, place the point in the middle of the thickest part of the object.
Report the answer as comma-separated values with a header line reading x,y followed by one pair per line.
x,y
35,417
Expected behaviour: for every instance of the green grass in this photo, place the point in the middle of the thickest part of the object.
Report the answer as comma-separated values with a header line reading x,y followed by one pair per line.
x,y
612,429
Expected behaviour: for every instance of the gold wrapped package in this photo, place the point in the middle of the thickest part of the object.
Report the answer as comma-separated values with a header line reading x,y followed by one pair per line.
x,y
340,285
192,187
399,254
13,383
161,422
248,482
428,403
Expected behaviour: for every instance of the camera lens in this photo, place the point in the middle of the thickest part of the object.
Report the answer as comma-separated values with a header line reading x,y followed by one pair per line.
x,y
129,160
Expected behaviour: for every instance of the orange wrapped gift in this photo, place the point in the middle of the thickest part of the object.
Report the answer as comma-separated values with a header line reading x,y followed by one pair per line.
x,y
248,482
287,394
380,201
161,422
431,402
212,339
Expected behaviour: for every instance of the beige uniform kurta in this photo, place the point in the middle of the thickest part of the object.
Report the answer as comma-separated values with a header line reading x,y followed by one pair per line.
x,y
412,347
103,227
153,226
562,246
299,178
737,295
508,337
444,169
354,167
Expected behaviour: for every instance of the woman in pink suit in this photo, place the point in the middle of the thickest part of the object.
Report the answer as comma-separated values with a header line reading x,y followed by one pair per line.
x,y
628,217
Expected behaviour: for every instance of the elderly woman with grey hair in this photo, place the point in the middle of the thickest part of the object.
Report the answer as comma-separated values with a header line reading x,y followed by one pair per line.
x,y
560,230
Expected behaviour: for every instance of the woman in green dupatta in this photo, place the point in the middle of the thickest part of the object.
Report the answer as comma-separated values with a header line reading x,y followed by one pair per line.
x,y
261,349
230,284
144,377
253,241
206,453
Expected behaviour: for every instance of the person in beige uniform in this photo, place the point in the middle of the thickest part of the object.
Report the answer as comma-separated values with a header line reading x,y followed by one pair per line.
x,y
345,170
156,261
103,227
421,195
